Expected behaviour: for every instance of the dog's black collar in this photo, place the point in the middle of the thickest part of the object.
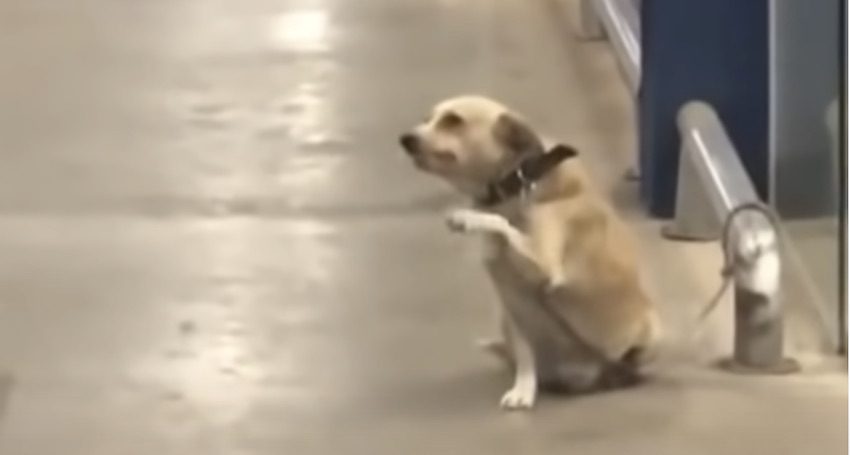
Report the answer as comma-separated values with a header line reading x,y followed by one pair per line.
x,y
521,179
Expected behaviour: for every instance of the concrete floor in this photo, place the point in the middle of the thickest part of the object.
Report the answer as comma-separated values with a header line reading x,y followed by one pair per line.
x,y
212,245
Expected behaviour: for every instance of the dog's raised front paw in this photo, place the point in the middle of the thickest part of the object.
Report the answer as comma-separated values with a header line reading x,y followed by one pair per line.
x,y
520,396
468,220
461,220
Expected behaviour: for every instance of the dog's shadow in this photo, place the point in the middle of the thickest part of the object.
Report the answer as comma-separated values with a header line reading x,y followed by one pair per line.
x,y
474,394
465,392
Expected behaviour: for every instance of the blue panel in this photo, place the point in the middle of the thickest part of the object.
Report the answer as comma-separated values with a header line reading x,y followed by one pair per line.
x,y
713,50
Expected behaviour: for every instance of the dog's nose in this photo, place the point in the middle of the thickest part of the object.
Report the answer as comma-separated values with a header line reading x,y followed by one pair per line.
x,y
410,143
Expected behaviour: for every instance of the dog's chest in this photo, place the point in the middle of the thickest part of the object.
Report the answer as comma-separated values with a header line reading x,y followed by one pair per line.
x,y
494,246
498,254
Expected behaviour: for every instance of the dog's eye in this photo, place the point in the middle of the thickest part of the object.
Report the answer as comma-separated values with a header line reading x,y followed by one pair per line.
x,y
450,120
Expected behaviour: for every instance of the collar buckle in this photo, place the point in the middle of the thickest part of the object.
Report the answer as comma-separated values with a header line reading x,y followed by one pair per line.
x,y
527,186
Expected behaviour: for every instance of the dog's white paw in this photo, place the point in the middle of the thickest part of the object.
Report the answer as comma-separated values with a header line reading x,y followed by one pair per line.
x,y
468,220
520,396
463,220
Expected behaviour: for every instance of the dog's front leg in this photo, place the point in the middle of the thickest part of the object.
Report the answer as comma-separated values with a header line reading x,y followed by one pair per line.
x,y
474,221
520,354
523,392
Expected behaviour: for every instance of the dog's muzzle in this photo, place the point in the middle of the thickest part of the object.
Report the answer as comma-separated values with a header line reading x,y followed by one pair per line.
x,y
410,143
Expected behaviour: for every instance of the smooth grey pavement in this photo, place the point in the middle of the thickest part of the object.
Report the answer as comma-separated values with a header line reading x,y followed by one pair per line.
x,y
212,245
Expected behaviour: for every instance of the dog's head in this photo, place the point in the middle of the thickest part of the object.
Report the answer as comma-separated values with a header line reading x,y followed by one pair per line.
x,y
469,141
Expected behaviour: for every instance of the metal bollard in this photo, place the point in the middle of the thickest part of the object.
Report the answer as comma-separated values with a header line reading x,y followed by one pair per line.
x,y
758,343
712,185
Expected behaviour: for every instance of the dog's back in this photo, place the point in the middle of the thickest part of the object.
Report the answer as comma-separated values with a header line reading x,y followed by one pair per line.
x,y
595,327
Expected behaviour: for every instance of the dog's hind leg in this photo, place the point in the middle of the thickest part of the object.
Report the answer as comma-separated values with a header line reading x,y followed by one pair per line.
x,y
498,345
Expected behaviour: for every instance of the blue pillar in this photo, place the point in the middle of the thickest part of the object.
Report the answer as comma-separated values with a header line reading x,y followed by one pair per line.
x,y
712,50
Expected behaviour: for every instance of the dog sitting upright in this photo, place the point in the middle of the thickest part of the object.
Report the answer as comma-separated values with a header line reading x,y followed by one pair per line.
x,y
574,315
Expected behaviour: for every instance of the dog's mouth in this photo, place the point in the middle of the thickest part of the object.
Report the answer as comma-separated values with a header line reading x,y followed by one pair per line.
x,y
433,163
420,163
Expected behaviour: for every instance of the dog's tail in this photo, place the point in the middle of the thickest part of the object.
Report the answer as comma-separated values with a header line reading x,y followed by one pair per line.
x,y
630,368
626,372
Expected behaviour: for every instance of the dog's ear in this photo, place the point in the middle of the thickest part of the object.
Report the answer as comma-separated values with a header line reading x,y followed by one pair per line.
x,y
516,135
567,150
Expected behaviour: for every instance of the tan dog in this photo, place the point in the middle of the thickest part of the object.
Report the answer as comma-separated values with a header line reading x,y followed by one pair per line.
x,y
574,316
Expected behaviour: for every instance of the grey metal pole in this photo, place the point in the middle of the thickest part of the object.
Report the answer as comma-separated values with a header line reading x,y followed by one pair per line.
x,y
710,169
758,339
619,20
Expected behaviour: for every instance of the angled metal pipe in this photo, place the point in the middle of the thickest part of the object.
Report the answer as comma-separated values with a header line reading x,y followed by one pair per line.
x,y
712,187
